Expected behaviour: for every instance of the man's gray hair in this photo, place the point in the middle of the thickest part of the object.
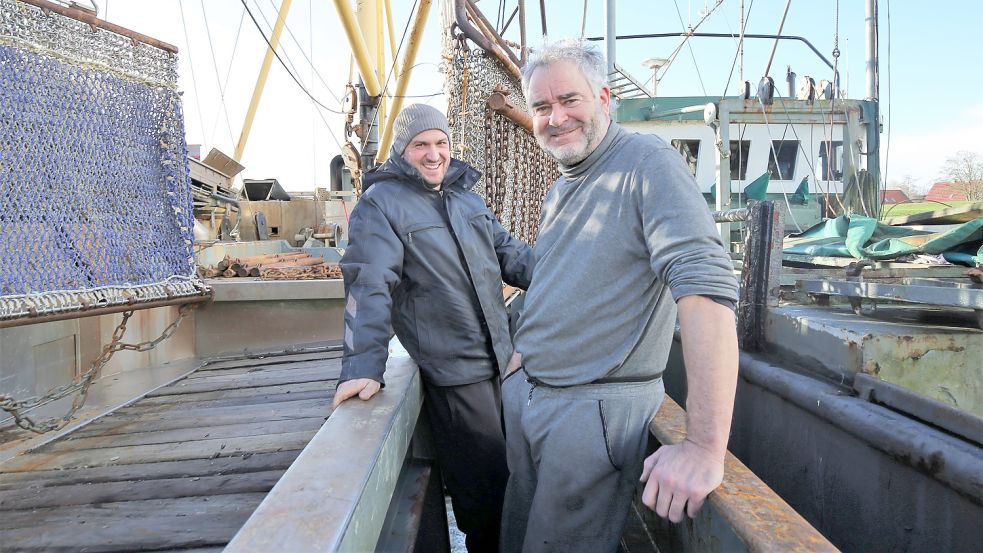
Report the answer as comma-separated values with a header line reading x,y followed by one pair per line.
x,y
588,58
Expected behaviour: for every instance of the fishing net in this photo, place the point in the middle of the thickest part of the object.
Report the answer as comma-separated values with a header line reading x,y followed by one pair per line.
x,y
516,172
95,200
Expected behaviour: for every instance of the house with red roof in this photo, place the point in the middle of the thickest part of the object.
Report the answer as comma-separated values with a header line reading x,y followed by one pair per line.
x,y
894,196
945,192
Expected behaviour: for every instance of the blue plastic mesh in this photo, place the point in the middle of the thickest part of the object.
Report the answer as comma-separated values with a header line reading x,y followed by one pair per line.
x,y
94,182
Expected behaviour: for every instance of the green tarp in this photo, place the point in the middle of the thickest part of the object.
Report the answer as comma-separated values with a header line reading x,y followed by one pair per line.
x,y
864,238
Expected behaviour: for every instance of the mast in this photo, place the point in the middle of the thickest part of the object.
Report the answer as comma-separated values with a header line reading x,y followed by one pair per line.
x,y
367,13
281,20
610,35
872,112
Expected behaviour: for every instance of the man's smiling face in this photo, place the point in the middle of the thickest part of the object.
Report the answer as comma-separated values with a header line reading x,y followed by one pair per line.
x,y
430,153
568,118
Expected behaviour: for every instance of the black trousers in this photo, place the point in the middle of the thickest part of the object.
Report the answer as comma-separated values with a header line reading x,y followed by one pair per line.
x,y
470,445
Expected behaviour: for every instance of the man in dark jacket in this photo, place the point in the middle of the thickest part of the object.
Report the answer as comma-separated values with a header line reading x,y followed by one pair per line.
x,y
427,258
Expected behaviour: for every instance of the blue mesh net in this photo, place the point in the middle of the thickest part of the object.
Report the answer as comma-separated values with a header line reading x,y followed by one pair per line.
x,y
95,193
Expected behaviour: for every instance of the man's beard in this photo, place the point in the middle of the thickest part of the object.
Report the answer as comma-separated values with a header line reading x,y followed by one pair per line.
x,y
571,154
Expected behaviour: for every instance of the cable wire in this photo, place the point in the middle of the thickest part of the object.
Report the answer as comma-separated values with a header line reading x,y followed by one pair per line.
x,y
194,81
218,80
284,65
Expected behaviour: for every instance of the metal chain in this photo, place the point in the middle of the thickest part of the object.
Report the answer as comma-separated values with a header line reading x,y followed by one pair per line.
x,y
81,385
515,170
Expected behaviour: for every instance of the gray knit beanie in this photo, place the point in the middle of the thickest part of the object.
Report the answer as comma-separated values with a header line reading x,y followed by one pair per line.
x,y
413,120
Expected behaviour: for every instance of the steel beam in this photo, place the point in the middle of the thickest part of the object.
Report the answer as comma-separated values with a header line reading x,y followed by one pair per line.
x,y
938,293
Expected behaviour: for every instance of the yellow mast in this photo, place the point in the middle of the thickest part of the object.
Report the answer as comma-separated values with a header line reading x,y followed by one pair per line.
x,y
364,58
264,71
413,44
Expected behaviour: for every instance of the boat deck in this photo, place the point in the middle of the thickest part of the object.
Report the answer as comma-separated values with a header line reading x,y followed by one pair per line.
x,y
181,468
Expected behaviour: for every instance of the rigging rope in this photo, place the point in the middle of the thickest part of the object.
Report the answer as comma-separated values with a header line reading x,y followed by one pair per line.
x,y
692,29
284,64
194,81
690,48
218,81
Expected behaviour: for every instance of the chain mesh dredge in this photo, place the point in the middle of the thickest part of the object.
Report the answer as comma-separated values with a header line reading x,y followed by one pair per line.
x,y
516,172
95,200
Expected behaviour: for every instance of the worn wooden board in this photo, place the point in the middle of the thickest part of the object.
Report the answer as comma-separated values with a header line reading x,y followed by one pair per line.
x,y
190,433
319,386
134,423
330,367
179,471
221,447
943,216
129,525
271,403
150,471
137,490
255,379
261,361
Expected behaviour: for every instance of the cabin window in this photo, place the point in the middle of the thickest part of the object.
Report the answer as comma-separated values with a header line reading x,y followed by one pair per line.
x,y
738,159
690,150
781,160
831,160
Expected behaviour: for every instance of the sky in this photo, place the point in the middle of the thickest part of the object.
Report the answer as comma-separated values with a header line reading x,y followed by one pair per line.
x,y
929,74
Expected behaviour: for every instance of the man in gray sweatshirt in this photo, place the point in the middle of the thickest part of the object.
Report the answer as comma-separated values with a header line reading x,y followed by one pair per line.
x,y
626,243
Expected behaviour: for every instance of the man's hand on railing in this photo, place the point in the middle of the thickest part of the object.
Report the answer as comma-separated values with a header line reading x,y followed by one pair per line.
x,y
679,477
364,388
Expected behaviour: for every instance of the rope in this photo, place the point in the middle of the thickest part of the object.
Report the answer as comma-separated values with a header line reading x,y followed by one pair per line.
x,y
194,81
218,81
778,167
284,64
225,83
689,46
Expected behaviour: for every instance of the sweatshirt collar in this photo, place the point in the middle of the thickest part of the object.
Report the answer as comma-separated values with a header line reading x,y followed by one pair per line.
x,y
573,171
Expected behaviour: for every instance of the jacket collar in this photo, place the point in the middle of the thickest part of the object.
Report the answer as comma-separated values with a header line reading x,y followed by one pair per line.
x,y
459,176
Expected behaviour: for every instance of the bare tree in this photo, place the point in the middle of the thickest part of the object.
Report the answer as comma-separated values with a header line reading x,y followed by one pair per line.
x,y
964,171
909,187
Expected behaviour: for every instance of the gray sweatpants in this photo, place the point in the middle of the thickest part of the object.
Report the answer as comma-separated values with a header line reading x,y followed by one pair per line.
x,y
575,456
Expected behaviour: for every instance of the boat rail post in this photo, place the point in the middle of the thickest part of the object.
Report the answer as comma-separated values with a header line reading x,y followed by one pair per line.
x,y
717,117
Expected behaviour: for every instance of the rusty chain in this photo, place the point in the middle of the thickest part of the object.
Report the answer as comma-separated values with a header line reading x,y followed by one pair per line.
x,y
81,385
516,172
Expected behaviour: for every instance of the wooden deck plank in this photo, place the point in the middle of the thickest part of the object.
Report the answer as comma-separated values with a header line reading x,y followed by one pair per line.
x,y
332,365
194,419
189,433
130,525
270,360
181,470
28,498
202,449
215,405
241,464
257,379
252,391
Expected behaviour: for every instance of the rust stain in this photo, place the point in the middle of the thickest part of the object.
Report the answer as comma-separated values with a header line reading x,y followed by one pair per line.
x,y
759,517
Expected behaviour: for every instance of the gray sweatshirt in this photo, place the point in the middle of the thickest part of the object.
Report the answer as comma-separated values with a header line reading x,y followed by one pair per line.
x,y
622,236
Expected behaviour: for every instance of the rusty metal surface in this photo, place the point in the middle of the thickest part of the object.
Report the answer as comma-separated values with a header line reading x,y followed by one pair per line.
x,y
96,23
761,519
500,103
846,464
920,349
205,296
